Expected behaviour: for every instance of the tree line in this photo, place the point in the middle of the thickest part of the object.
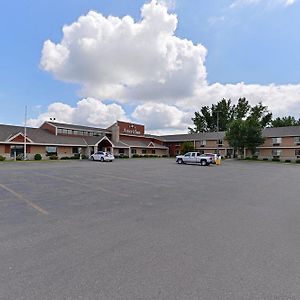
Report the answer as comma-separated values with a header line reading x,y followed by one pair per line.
x,y
242,122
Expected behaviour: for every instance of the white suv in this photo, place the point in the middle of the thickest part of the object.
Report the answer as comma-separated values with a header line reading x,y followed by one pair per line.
x,y
102,156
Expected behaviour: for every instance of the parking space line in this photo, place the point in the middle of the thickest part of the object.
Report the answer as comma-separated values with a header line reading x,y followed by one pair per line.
x,y
85,185
134,180
28,202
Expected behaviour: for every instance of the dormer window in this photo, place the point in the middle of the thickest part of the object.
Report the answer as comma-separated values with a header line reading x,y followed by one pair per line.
x,y
297,140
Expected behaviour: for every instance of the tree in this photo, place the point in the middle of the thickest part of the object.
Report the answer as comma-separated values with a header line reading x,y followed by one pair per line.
x,y
236,135
253,134
243,134
285,121
187,147
210,119
242,108
260,114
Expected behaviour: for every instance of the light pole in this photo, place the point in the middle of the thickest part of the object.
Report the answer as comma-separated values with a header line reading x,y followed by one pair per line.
x,y
218,131
25,133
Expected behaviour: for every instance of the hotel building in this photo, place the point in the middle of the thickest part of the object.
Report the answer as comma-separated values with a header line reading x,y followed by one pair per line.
x,y
129,139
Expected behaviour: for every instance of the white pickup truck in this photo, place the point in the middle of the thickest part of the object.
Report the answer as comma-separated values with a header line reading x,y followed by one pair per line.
x,y
194,158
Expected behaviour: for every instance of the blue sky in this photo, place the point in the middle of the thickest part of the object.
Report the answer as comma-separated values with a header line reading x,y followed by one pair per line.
x,y
252,42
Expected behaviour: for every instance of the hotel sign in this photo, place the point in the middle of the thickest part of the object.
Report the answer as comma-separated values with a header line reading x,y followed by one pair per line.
x,y
131,129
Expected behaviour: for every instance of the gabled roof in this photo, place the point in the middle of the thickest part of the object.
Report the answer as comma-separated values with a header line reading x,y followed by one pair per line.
x,y
282,131
120,144
77,127
194,136
12,137
143,144
42,136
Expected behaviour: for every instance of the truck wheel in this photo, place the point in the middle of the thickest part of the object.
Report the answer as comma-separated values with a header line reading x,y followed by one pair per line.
x,y
180,161
203,162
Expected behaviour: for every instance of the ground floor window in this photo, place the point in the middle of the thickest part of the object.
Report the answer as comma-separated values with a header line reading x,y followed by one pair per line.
x,y
153,151
297,153
51,150
121,151
276,152
144,151
16,150
133,151
75,150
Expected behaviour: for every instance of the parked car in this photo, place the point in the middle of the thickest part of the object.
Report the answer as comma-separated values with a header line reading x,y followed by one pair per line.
x,y
102,156
194,158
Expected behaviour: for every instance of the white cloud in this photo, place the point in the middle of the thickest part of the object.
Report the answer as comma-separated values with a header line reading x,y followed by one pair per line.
x,y
118,58
88,111
237,3
143,63
160,116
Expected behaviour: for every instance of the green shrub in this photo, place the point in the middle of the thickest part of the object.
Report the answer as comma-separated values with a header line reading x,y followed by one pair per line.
x,y
164,155
265,159
64,158
254,157
122,156
20,157
37,156
83,156
2,158
247,158
53,157
298,161
287,161
135,155
275,159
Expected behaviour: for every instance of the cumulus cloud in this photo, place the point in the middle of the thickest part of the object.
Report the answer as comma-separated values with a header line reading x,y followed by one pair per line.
x,y
145,64
118,58
89,111
160,116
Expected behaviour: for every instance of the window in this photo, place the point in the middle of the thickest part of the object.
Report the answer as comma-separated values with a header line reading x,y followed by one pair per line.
x,y
297,140
193,154
153,151
276,141
220,142
51,150
16,150
133,151
297,153
121,151
276,152
144,151
75,150
65,131
59,131
187,154
202,143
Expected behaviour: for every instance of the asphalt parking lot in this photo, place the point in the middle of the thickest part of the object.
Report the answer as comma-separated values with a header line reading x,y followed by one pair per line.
x,y
149,229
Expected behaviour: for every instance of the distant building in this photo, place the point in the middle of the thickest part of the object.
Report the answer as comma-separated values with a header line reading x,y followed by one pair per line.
x,y
61,139
129,139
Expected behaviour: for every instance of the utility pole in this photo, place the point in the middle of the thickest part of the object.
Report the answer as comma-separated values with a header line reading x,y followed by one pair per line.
x,y
218,131
25,134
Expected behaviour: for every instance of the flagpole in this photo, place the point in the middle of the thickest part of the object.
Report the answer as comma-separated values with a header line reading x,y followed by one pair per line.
x,y
25,134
